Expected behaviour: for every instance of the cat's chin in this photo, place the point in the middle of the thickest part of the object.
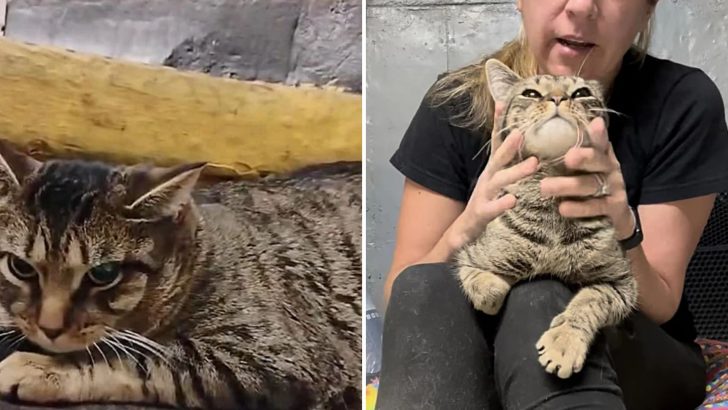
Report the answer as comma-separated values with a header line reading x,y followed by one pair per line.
x,y
552,139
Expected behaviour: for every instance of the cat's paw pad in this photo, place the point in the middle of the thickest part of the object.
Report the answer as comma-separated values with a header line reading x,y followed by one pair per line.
x,y
562,350
30,377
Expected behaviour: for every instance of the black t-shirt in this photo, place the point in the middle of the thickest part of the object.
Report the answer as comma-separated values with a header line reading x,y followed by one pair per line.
x,y
671,142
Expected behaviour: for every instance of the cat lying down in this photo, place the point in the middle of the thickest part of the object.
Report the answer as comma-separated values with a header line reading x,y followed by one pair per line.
x,y
119,288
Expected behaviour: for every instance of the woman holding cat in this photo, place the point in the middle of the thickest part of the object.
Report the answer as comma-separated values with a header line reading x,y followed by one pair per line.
x,y
654,169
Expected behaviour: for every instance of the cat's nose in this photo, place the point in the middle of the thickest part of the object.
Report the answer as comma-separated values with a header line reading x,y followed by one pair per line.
x,y
556,99
51,333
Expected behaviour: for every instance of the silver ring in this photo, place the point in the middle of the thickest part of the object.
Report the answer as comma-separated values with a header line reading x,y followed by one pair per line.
x,y
602,186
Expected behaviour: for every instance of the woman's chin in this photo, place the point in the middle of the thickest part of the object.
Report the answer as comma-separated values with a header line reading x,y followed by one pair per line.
x,y
567,68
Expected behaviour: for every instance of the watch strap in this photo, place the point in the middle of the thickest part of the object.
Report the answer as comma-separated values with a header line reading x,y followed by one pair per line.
x,y
635,239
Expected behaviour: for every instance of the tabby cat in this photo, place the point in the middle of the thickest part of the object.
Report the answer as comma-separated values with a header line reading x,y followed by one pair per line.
x,y
123,288
533,239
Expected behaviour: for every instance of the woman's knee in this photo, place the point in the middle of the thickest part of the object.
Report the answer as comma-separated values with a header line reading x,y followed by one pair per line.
x,y
542,295
418,281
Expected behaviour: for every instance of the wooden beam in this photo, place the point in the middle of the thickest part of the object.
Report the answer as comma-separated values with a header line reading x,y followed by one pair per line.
x,y
66,104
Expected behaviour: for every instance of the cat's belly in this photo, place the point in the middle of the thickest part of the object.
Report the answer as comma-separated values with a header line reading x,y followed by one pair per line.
x,y
573,252
576,263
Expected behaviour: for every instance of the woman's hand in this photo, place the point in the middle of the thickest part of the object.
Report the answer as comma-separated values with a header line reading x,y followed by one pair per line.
x,y
484,204
603,183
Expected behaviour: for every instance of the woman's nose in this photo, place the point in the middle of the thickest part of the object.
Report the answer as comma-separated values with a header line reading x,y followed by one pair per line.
x,y
582,8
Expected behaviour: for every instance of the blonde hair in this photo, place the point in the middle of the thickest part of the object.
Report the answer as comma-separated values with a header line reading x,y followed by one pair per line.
x,y
466,91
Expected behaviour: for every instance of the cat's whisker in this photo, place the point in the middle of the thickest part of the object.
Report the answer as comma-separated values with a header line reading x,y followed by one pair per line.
x,y
145,339
578,73
580,119
102,355
609,110
480,151
118,337
8,333
9,339
117,343
489,141
149,344
507,129
113,349
16,343
140,344
528,126
91,356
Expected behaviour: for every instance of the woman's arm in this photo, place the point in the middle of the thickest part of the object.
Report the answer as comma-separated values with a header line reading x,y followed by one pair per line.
x,y
424,217
671,233
671,230
432,226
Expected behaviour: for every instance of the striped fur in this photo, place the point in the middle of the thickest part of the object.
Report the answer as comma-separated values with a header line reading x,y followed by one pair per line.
x,y
248,297
533,239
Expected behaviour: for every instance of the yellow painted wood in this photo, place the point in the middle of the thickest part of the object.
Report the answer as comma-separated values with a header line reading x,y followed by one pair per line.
x,y
68,104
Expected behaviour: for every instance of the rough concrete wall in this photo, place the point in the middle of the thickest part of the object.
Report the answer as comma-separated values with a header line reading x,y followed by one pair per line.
x,y
410,41
289,41
694,32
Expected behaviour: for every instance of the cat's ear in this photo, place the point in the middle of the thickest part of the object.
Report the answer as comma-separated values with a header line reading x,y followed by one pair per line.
x,y
159,192
500,79
14,167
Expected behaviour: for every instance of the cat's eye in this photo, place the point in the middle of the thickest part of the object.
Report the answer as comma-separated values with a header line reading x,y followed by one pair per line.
x,y
20,268
106,274
581,93
529,93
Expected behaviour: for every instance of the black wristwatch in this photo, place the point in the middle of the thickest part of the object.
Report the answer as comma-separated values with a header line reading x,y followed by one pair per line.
x,y
636,238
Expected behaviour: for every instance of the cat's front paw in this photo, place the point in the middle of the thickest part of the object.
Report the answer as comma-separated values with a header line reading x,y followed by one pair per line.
x,y
485,290
31,377
562,350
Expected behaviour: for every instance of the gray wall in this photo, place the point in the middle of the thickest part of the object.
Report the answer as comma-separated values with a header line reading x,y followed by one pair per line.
x,y
288,41
410,41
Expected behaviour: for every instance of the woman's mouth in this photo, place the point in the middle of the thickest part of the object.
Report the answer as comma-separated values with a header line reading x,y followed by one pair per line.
x,y
573,47
575,43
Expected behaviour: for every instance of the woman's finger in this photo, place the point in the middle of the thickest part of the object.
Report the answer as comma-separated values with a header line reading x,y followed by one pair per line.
x,y
489,210
505,154
589,160
511,175
598,134
578,185
496,139
584,209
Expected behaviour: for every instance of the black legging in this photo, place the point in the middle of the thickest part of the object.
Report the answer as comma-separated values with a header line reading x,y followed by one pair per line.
x,y
439,353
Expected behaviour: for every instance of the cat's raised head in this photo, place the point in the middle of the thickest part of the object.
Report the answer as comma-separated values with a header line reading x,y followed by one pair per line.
x,y
82,244
552,112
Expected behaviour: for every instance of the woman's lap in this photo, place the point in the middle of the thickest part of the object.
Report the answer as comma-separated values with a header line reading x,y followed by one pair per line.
x,y
437,353
432,361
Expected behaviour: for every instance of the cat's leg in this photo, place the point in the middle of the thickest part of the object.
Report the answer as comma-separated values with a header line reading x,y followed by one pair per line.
x,y
39,378
486,290
191,374
564,346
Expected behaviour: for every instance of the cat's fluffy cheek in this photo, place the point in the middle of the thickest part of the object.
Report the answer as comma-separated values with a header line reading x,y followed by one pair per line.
x,y
36,378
